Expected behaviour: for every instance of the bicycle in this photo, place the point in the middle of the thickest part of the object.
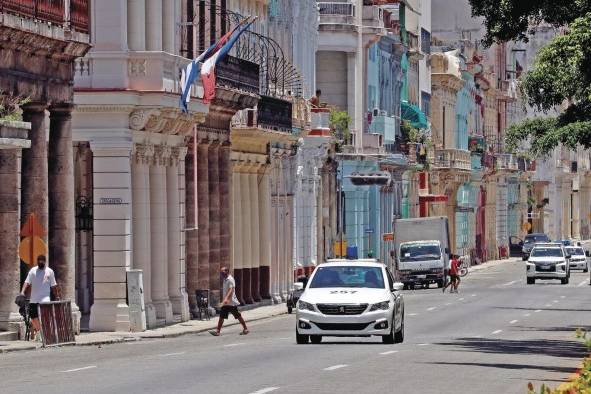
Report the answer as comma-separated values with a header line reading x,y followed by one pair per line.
x,y
463,268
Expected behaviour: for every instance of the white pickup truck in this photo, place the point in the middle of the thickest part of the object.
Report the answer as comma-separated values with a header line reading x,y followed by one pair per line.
x,y
422,251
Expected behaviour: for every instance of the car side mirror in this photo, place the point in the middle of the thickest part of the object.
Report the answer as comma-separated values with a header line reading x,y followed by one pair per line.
x,y
398,286
568,256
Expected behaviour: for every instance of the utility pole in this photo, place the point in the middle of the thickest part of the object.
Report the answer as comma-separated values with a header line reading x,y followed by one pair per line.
x,y
359,79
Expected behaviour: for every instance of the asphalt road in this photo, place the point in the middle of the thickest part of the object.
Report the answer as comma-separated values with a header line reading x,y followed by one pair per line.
x,y
497,335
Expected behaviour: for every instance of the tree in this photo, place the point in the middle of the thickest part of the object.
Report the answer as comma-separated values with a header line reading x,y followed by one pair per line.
x,y
561,73
339,123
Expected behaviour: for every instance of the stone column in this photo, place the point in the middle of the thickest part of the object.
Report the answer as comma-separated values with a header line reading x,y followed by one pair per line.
x,y
192,235
159,234
254,228
168,25
62,222
9,238
265,234
186,313
34,167
247,237
203,212
140,177
214,222
225,187
154,23
112,234
176,286
136,25
237,251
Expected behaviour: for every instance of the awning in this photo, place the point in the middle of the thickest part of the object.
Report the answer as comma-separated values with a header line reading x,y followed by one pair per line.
x,y
414,115
433,198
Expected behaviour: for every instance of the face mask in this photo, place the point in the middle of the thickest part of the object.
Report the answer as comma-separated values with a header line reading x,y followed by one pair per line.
x,y
41,265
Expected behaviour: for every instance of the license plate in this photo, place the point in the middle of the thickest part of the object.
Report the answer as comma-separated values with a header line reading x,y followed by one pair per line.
x,y
421,276
545,267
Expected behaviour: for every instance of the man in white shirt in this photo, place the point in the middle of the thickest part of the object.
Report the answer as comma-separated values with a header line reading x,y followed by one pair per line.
x,y
229,303
41,281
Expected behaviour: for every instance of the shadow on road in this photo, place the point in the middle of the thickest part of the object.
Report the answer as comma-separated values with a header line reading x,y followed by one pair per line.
x,y
542,309
555,329
508,366
542,347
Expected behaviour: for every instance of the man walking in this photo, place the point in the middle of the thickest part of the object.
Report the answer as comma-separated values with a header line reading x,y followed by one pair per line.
x,y
229,303
41,281
453,274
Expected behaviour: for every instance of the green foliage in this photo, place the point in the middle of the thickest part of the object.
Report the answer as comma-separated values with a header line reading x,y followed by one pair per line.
x,y
9,107
339,123
507,20
561,73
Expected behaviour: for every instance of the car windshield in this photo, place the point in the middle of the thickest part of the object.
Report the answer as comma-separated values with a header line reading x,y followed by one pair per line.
x,y
576,251
546,252
419,252
348,276
536,238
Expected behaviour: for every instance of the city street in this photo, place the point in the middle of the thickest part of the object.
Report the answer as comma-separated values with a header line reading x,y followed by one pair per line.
x,y
495,336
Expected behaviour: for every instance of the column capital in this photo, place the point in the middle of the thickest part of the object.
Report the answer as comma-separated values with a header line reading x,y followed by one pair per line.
x,y
34,106
61,110
162,155
143,153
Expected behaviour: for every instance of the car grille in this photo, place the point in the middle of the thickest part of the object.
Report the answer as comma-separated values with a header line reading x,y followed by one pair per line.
x,y
336,309
342,326
542,267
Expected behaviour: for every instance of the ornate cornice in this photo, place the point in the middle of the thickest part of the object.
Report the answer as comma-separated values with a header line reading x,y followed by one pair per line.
x,y
169,121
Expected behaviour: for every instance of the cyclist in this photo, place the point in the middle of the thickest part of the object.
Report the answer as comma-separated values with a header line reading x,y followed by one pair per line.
x,y
454,274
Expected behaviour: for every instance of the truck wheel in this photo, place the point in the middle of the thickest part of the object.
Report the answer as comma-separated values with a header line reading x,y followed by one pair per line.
x,y
439,284
301,339
531,281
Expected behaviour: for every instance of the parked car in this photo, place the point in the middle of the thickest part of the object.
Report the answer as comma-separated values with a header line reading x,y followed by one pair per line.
x,y
548,261
564,242
351,298
578,260
530,240
295,293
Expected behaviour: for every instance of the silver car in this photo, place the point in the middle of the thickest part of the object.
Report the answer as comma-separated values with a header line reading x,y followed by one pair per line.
x,y
578,260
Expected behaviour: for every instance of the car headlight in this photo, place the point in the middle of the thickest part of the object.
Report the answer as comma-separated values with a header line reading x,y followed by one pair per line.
x,y
306,306
380,306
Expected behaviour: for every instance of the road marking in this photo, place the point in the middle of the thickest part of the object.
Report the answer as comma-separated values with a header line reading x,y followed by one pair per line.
x,y
448,304
473,295
510,283
336,367
497,332
234,344
582,283
537,311
513,321
265,390
527,315
80,369
422,344
555,301
389,352
548,305
461,299
285,338
432,308
172,354
413,314
564,296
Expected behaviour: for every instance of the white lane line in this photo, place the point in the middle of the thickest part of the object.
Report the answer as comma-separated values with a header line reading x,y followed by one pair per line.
x,y
564,296
582,283
555,301
432,308
172,354
510,283
548,305
388,352
234,344
413,314
265,390
461,299
80,369
537,311
334,367
448,304
473,295
422,344
497,332
527,315
513,321
285,338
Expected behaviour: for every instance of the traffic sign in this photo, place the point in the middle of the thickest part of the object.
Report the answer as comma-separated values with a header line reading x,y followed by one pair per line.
x,y
388,236
369,231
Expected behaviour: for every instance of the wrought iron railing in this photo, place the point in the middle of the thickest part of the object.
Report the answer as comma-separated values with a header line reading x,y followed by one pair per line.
x,y
452,159
336,9
53,11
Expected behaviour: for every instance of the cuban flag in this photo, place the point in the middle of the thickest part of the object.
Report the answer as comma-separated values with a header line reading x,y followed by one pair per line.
x,y
208,68
189,74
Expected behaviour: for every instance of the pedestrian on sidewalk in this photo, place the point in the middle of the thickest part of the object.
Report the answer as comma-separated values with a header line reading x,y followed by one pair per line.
x,y
229,303
454,276
41,281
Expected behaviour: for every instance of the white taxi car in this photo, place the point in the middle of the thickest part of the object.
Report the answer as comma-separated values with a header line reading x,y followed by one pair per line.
x,y
578,259
348,299
548,261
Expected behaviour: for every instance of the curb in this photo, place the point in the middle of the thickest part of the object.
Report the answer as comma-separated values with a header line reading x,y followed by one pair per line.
x,y
564,387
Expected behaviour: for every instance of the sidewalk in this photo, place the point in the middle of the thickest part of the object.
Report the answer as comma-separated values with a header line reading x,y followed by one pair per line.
x,y
493,263
189,327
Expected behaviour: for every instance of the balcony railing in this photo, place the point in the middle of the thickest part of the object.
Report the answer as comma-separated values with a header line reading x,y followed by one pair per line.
x,y
336,9
53,11
506,161
451,159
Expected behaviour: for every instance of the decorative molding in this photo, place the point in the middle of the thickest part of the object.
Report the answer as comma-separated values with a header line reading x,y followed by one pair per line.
x,y
137,67
170,121
162,155
143,153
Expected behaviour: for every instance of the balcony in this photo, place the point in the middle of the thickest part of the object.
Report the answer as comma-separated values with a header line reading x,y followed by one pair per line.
x,y
68,14
336,13
340,17
320,121
476,161
506,162
453,159
271,114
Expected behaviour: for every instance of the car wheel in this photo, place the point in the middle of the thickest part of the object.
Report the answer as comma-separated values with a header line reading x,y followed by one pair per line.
x,y
586,270
564,281
289,309
301,339
315,339
426,285
531,281
399,335
524,258
439,284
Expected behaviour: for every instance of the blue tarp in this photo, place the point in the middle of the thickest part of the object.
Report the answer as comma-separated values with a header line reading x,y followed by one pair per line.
x,y
414,115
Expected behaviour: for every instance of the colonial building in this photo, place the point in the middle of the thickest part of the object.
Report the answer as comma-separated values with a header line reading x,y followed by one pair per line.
x,y
39,42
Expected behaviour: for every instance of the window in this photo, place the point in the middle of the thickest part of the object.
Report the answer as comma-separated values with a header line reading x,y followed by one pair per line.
x,y
419,252
425,41
546,252
349,277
